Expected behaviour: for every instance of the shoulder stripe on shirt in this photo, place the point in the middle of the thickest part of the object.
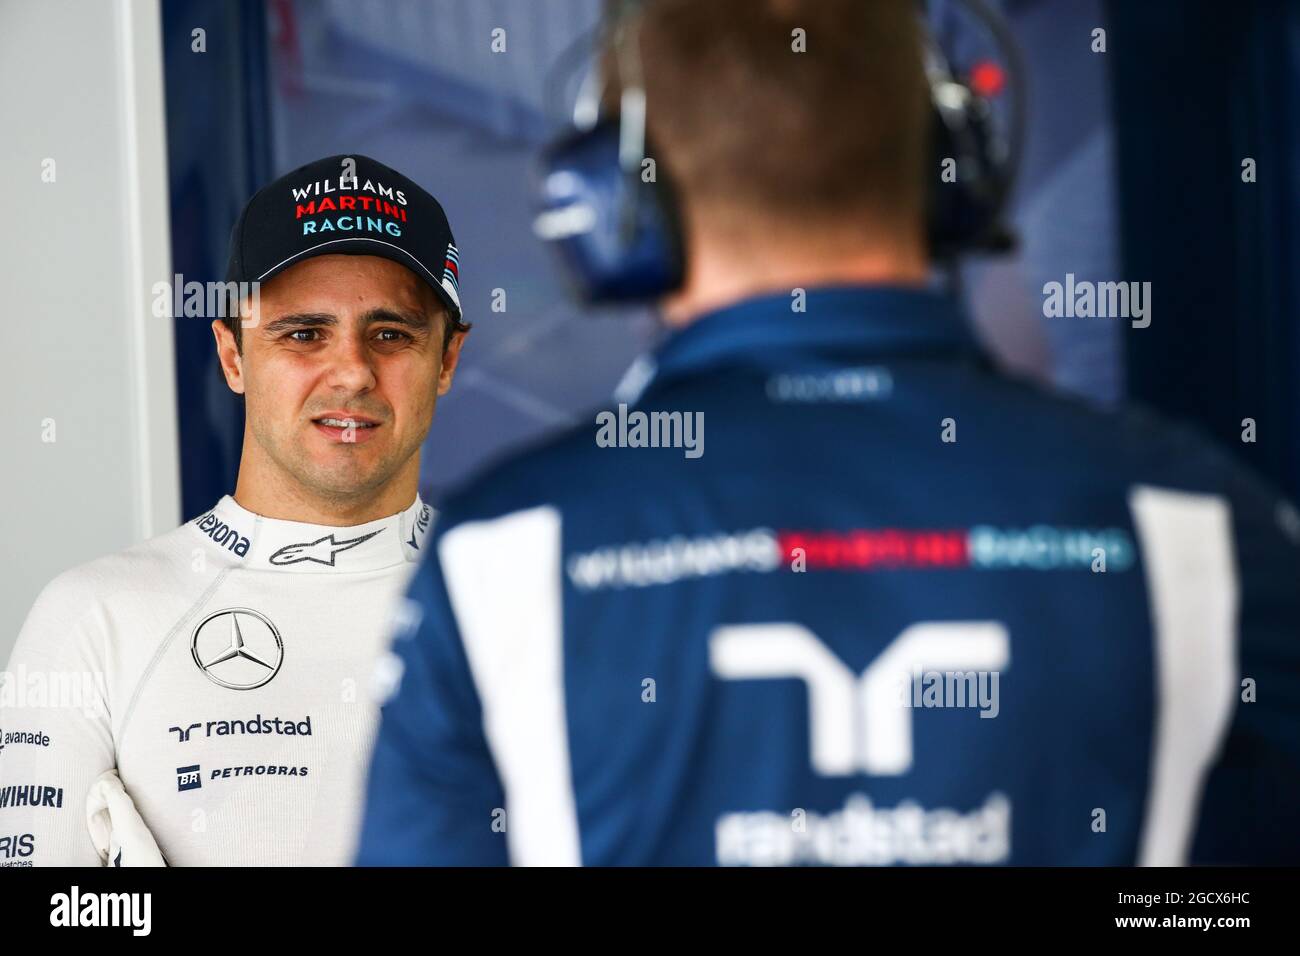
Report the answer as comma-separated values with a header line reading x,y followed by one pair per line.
x,y
1186,543
504,581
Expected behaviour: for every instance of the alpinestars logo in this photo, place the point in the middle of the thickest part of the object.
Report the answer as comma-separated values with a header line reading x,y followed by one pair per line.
x,y
321,551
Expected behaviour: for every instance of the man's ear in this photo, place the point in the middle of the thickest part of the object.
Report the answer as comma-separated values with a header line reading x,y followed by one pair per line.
x,y
232,365
450,359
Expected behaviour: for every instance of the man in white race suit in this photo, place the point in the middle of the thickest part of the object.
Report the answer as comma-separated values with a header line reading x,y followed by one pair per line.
x,y
223,669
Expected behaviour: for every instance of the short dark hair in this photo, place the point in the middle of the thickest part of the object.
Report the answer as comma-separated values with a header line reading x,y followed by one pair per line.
x,y
743,121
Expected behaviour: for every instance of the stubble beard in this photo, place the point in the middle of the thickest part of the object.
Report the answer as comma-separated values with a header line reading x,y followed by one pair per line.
x,y
351,474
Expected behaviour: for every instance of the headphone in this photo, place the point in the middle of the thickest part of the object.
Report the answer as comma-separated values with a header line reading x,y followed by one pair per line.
x,y
619,234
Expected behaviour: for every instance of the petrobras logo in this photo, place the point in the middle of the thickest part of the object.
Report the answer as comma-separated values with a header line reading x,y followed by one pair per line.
x,y
191,778
862,834
257,724
256,770
222,534
764,550
16,848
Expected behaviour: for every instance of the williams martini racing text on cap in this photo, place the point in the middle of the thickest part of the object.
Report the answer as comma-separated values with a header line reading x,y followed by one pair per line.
x,y
351,205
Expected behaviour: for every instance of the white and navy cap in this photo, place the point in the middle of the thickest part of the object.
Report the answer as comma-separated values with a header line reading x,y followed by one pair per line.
x,y
350,205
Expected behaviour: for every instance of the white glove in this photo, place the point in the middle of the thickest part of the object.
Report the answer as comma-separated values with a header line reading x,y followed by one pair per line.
x,y
115,826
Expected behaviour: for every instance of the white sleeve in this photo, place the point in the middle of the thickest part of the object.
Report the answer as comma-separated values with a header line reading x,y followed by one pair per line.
x,y
55,729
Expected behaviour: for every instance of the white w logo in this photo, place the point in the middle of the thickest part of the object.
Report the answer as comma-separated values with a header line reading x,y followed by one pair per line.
x,y
857,724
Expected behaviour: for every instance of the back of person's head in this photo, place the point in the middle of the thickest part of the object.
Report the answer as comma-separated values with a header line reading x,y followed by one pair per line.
x,y
802,117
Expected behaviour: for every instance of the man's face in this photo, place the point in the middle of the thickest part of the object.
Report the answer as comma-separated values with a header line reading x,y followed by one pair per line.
x,y
342,371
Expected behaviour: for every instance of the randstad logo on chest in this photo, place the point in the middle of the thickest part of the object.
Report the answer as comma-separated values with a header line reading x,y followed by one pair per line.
x,y
384,211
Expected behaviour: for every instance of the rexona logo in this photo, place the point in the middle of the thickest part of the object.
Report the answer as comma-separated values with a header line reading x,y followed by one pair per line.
x,y
31,795
16,848
75,908
420,525
222,534
256,724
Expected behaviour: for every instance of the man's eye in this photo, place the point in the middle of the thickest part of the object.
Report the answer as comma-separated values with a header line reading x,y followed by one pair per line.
x,y
392,335
302,335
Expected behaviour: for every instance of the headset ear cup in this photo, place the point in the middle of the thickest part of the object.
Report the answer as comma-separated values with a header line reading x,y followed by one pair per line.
x,y
620,234
617,231
964,214
666,200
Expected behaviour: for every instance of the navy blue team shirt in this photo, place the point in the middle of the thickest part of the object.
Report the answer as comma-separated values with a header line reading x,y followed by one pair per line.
x,y
889,607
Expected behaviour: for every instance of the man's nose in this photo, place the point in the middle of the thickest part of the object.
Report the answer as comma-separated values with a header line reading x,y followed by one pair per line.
x,y
351,365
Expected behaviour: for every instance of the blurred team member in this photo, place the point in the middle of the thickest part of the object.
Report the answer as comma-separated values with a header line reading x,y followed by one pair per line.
x,y
900,609
235,653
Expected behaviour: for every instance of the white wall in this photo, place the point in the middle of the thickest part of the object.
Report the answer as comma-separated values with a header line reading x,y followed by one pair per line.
x,y
81,84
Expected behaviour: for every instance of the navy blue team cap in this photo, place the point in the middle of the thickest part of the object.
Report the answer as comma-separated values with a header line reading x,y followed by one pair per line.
x,y
350,205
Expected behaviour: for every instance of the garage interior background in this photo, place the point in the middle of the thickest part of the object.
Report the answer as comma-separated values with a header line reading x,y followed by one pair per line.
x,y
1132,172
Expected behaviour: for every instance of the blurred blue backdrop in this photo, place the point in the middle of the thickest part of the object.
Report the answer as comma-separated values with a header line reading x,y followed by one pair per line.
x,y
416,85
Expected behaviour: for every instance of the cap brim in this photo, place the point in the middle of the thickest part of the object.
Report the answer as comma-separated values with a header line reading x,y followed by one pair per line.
x,y
361,246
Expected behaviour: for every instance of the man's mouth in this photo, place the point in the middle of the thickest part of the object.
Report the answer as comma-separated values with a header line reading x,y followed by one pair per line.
x,y
345,428
345,422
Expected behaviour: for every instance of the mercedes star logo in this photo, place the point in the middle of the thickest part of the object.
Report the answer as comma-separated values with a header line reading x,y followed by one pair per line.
x,y
238,648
